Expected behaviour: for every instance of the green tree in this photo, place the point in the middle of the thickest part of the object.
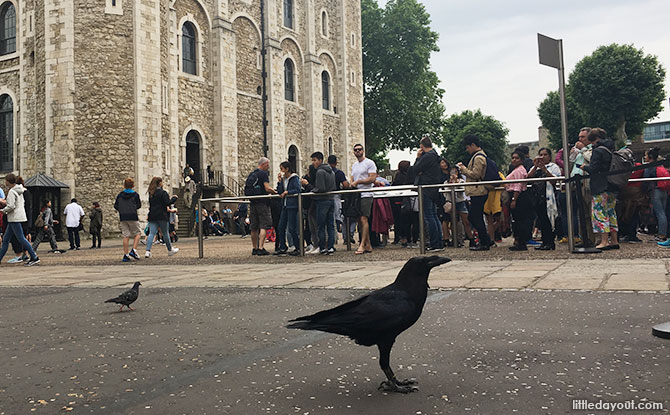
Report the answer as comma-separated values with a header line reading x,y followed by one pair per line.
x,y
618,88
550,115
491,132
402,98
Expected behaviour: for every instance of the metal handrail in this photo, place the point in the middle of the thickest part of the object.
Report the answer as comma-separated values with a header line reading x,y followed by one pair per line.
x,y
450,187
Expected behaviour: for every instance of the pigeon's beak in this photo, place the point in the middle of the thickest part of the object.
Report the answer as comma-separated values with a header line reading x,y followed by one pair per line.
x,y
436,261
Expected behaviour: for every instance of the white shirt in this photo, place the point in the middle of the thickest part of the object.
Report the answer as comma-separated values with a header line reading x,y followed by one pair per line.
x,y
73,213
361,170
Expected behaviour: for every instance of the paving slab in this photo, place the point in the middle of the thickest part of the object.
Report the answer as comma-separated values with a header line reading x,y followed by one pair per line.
x,y
640,282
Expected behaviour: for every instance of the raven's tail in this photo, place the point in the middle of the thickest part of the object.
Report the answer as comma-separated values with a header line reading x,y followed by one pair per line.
x,y
113,300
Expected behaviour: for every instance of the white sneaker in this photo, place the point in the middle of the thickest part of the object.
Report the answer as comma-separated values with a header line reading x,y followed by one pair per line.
x,y
173,251
147,254
309,248
16,260
314,251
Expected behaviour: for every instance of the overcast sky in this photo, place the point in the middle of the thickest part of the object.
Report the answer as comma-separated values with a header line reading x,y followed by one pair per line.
x,y
488,55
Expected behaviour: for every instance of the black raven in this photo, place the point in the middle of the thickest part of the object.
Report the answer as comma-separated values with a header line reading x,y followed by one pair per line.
x,y
127,297
379,317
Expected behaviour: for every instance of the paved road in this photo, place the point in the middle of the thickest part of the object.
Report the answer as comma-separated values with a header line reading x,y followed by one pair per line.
x,y
225,351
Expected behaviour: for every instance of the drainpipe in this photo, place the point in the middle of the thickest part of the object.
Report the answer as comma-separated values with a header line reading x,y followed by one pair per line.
x,y
264,76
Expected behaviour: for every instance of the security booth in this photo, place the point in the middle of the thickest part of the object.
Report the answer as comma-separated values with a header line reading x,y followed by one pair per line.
x,y
43,188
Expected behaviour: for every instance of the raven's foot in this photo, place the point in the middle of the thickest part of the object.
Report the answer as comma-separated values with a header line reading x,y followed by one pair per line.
x,y
387,386
406,382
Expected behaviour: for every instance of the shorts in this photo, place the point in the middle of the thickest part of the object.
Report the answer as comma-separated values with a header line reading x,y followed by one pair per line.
x,y
172,228
260,216
493,204
366,206
461,207
130,228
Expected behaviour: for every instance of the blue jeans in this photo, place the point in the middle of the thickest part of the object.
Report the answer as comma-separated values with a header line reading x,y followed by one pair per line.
x,y
658,201
288,218
15,229
153,230
432,222
325,219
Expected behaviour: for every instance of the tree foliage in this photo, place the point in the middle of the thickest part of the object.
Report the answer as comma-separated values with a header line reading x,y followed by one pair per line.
x,y
618,88
550,115
491,132
402,99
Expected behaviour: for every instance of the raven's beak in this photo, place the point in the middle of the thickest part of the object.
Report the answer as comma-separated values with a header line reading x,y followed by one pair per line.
x,y
436,261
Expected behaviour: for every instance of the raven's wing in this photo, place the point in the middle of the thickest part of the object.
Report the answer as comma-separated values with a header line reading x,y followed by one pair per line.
x,y
381,314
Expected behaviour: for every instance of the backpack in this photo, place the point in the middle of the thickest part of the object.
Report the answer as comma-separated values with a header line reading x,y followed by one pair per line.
x,y
253,186
662,184
491,174
621,160
39,222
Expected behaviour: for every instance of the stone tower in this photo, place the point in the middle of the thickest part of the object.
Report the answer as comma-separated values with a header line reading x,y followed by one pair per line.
x,y
101,90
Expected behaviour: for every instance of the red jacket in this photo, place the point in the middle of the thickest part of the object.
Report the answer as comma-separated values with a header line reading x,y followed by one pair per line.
x,y
382,216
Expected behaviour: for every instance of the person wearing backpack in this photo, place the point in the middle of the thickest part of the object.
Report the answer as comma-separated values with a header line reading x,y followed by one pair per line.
x,y
658,192
260,216
476,171
45,228
604,193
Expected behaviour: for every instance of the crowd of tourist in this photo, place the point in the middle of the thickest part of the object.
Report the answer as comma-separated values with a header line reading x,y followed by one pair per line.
x,y
605,212
531,213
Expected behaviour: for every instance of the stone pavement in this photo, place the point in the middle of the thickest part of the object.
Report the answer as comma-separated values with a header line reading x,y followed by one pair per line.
x,y
637,275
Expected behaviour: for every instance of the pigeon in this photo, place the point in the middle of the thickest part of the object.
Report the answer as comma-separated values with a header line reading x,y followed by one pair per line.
x,y
127,298
379,317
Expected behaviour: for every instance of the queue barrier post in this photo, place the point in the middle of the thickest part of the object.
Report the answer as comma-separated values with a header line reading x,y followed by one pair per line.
x,y
201,248
454,218
422,235
301,229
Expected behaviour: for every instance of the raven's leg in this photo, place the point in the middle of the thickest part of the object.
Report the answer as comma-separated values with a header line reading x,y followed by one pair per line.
x,y
121,309
392,384
131,309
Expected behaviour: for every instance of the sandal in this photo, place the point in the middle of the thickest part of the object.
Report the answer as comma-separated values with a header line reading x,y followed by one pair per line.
x,y
357,252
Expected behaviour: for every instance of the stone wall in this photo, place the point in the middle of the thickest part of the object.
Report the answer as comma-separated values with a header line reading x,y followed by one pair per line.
x,y
28,92
104,105
196,93
249,133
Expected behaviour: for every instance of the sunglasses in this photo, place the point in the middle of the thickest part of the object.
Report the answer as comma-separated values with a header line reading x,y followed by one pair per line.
x,y
358,149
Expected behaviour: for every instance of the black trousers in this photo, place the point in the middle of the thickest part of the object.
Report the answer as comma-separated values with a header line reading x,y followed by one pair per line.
x,y
543,221
476,218
73,237
95,235
522,218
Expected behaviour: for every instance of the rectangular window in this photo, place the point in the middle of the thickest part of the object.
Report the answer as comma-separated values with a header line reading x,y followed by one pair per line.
x,y
114,7
288,13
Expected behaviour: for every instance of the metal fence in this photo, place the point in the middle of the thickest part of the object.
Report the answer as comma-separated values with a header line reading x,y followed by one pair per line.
x,y
389,192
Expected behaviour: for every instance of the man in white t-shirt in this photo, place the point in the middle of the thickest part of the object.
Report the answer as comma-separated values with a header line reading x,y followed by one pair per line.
x,y
363,176
73,214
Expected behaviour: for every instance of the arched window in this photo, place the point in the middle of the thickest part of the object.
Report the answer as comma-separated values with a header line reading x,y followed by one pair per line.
x,y
293,156
188,49
6,133
324,23
289,86
288,13
7,29
325,90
